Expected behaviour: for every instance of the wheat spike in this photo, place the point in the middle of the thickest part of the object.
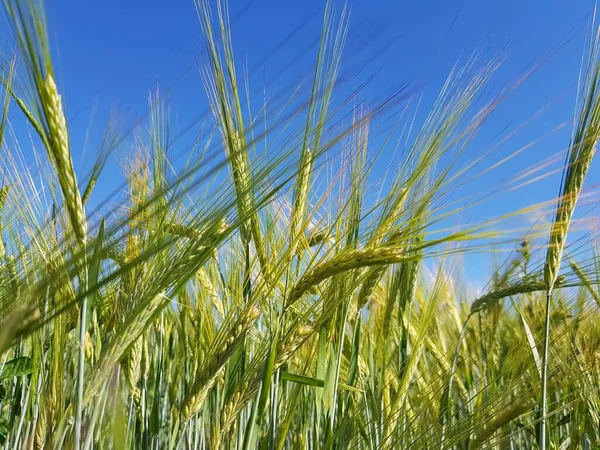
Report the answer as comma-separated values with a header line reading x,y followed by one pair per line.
x,y
210,289
133,370
523,286
60,156
300,201
347,260
41,429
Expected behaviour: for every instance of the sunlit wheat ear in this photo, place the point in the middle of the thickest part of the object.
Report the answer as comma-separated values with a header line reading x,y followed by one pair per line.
x,y
60,156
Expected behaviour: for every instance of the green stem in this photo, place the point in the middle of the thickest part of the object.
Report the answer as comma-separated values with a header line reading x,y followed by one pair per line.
x,y
81,364
543,399
446,402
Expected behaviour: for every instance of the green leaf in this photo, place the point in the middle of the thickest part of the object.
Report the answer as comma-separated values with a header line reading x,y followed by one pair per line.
x,y
93,274
532,345
345,387
302,379
3,431
330,381
266,383
321,368
314,382
353,369
17,367
235,370
17,322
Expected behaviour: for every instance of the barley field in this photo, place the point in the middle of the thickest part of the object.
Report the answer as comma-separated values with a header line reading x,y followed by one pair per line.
x,y
264,290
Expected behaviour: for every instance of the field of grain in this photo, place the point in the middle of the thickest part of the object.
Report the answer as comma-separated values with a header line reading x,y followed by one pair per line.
x,y
259,293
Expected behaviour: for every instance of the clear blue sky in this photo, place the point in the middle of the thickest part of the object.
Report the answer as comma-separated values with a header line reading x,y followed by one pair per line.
x,y
116,51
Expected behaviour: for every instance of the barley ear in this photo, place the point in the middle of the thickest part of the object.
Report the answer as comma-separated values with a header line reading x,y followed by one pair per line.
x,y
579,157
60,156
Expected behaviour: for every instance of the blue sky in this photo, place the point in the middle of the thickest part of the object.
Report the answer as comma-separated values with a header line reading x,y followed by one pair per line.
x,y
114,52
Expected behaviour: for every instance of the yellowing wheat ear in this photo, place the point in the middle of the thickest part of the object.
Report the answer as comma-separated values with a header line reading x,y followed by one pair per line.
x,y
579,157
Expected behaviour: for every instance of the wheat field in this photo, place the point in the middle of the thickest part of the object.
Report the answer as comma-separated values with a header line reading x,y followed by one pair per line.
x,y
257,292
